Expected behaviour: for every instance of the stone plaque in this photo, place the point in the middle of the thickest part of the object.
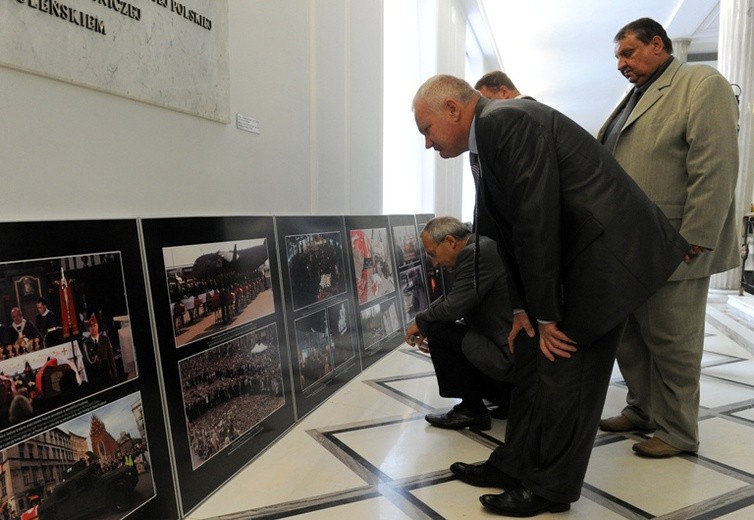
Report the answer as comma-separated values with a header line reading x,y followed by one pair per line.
x,y
170,53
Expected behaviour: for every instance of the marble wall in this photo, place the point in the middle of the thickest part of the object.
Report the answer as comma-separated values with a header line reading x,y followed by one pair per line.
x,y
168,53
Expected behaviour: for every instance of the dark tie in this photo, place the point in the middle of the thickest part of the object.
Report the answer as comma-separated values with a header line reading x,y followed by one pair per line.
x,y
613,131
476,172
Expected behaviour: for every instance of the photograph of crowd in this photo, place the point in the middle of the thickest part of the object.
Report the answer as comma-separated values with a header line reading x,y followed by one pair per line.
x,y
324,341
414,292
379,321
96,466
217,286
406,243
315,267
230,389
64,333
372,263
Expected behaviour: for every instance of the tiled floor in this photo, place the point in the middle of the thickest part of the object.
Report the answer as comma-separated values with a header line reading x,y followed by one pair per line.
x,y
367,453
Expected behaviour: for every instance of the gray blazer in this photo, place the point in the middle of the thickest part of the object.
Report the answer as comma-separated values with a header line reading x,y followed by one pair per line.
x,y
487,312
680,146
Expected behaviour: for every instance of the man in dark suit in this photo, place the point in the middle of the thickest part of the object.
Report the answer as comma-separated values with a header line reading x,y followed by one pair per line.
x,y
471,359
498,85
583,246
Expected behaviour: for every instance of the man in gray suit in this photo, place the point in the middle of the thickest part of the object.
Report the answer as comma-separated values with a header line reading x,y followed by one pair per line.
x,y
675,135
583,246
471,358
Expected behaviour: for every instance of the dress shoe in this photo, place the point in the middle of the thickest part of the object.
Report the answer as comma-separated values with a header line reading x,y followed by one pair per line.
x,y
482,475
619,423
460,417
520,502
500,412
656,448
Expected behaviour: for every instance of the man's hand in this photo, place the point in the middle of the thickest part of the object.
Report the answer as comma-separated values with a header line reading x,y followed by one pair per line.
x,y
414,338
553,342
520,321
694,252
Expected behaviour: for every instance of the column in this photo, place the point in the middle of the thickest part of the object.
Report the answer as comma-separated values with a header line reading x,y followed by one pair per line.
x,y
736,62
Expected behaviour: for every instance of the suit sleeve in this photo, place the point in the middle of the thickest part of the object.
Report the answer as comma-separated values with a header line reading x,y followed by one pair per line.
x,y
526,165
463,297
711,162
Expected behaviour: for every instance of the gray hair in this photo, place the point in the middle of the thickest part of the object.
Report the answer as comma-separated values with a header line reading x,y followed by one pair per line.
x,y
438,88
440,227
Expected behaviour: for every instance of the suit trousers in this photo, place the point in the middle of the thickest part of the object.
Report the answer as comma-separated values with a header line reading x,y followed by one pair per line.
x,y
555,411
456,375
660,357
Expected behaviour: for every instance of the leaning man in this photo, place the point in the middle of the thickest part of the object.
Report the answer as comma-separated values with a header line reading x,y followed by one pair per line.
x,y
467,330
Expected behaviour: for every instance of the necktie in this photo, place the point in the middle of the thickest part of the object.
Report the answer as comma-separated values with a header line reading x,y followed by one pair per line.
x,y
611,138
476,172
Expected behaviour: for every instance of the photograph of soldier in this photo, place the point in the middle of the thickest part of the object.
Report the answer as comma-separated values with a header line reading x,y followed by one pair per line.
x,y
406,244
372,263
230,389
44,368
379,321
217,286
315,267
99,468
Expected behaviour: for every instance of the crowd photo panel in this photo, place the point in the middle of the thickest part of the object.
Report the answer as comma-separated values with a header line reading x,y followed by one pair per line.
x,y
223,350
319,305
412,282
82,434
375,286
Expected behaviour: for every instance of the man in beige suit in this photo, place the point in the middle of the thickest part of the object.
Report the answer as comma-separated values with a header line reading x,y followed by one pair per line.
x,y
675,134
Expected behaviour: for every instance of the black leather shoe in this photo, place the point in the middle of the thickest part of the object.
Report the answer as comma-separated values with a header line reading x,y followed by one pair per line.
x,y
460,417
482,475
521,503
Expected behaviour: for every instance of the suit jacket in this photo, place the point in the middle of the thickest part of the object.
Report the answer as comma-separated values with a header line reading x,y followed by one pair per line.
x,y
487,311
680,145
584,245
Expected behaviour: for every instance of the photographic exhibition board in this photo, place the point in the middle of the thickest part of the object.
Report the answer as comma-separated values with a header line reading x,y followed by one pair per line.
x,y
375,286
411,279
434,275
320,311
81,424
222,345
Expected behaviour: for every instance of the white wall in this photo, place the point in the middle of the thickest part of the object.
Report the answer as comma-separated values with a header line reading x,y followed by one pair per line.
x,y
308,70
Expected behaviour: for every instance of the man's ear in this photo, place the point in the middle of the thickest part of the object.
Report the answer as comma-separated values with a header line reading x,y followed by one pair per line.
x,y
453,108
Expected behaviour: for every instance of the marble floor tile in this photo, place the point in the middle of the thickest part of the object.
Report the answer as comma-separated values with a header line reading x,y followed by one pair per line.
x,y
367,452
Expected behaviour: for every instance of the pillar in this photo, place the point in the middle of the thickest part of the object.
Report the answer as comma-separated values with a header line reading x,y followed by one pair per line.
x,y
736,62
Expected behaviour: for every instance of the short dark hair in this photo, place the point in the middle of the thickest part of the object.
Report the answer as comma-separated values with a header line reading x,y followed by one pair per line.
x,y
494,80
440,227
42,301
645,29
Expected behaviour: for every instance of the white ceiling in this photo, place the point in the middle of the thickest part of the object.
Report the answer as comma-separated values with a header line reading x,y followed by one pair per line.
x,y
562,52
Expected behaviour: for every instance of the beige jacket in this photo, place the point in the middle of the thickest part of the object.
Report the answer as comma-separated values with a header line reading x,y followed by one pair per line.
x,y
680,145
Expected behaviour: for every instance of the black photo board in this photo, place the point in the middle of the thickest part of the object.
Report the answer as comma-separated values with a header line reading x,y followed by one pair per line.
x,y
80,405
412,282
375,285
434,275
223,351
322,329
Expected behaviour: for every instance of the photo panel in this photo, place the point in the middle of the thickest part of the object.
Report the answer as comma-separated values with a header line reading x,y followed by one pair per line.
x,y
411,276
223,354
76,345
433,275
375,284
317,283
97,465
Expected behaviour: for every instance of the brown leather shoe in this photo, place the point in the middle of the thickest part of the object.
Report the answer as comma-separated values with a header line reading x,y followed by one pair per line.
x,y
656,448
619,423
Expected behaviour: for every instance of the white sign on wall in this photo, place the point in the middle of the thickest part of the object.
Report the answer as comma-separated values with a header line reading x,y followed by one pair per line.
x,y
171,53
